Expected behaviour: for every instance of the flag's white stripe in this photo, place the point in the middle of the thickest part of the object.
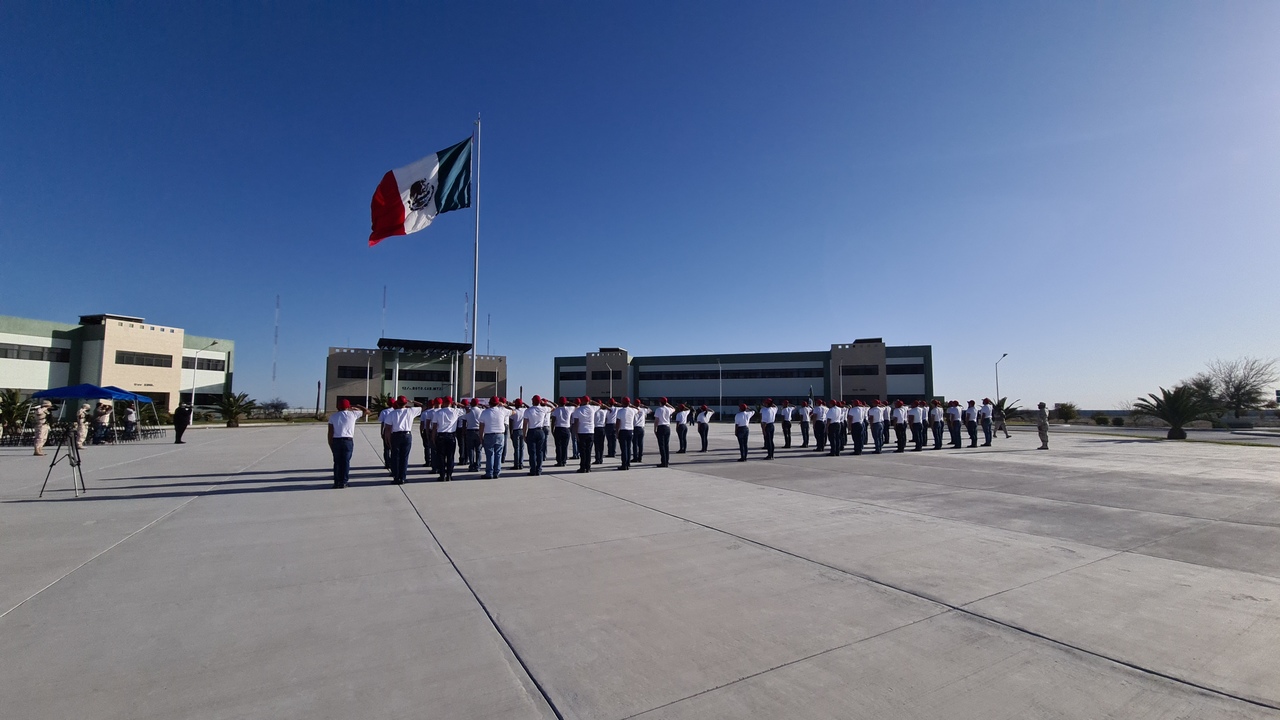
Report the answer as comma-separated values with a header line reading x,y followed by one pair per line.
x,y
427,168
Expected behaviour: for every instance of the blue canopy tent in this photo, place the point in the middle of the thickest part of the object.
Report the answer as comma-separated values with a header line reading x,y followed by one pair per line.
x,y
76,392
120,394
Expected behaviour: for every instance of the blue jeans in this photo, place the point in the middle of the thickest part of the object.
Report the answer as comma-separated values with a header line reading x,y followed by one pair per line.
x,y
341,448
767,430
986,430
537,442
446,444
624,447
637,443
937,435
517,448
401,444
877,435
663,433
742,432
492,454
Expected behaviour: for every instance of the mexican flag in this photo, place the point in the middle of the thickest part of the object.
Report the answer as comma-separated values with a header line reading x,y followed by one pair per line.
x,y
408,199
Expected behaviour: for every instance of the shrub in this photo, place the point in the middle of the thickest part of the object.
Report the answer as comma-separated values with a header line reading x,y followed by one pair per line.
x,y
1066,412
1100,419
1117,421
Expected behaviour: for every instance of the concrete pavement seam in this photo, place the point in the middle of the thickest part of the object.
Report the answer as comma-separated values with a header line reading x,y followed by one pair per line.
x,y
957,608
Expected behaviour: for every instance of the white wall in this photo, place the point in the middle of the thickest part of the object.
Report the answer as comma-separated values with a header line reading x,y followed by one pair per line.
x,y
207,381
32,374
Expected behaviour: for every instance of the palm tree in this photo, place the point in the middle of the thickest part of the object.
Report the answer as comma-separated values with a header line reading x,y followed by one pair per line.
x,y
233,407
13,410
1009,410
1177,407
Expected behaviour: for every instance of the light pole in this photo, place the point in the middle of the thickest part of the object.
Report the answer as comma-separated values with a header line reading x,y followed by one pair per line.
x,y
720,407
610,369
840,370
998,376
195,368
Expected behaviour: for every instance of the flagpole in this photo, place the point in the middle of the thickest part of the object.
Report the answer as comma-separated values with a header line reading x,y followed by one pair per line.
x,y
475,280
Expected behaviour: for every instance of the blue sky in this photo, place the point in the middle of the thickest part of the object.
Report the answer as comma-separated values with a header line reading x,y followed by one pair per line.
x,y
1093,188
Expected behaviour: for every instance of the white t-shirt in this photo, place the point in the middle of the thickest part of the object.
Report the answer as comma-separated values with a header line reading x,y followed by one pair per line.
x,y
344,423
970,413
662,415
494,420
876,413
935,414
820,413
913,415
401,419
640,417
385,415
626,418
743,417
611,416
986,410
705,416
561,416
472,418
516,420
768,414
537,416
601,417
953,413
682,417
586,419
788,412
858,413
447,419
899,416
835,415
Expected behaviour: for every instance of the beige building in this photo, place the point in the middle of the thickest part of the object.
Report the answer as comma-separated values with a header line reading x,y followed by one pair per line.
x,y
418,369
158,361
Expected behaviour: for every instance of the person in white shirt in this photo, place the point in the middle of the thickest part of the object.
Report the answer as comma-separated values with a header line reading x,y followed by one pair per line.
x,y
611,427
899,419
786,412
662,415
924,424
130,423
819,425
768,415
857,426
682,426
583,424
740,429
704,424
984,414
913,423
474,445
445,427
515,424
626,420
877,425
805,413
492,430
342,432
953,422
637,430
537,423
971,423
602,413
936,419
560,430
835,428
424,431
384,429
400,424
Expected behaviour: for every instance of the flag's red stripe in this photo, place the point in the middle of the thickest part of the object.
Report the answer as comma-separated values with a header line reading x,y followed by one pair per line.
x,y
387,210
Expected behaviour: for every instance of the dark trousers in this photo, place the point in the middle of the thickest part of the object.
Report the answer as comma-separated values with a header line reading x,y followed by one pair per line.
x,y
561,436
804,434
386,450
859,438
702,433
663,434
820,435
682,434
742,432
917,430
955,433
599,444
177,432
473,449
427,450
446,445
573,445
877,435
786,434
611,437
637,443
341,448
924,431
624,447
986,430
900,431
460,438
972,427
401,444
584,451
766,429
834,438
517,449
937,435
537,442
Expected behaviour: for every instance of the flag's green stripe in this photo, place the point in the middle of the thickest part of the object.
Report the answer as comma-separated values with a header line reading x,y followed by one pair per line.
x,y
454,190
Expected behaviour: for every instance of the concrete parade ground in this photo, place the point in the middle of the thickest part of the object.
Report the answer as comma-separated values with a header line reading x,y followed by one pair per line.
x,y
1109,577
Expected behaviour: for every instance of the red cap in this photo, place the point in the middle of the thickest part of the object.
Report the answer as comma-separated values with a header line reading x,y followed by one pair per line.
x,y
344,404
495,400
537,399
768,401
662,400
743,406
564,400
704,407
586,399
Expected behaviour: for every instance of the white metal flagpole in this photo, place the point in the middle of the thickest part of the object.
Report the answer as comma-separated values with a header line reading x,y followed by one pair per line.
x,y
475,282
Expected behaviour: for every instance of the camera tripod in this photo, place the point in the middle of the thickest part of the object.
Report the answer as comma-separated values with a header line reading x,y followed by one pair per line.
x,y
69,451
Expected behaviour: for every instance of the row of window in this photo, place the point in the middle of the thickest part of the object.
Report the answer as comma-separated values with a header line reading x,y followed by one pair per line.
x,y
604,375
362,372
733,374
573,375
34,352
213,364
128,357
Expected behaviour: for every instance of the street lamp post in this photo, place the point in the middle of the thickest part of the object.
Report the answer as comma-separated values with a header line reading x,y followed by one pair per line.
x,y
195,368
720,407
610,369
998,376
840,370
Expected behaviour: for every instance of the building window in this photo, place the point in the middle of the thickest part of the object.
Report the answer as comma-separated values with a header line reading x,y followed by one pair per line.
x,y
735,374
904,369
860,370
214,364
362,372
126,357
604,375
35,352
415,375
487,376
573,375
